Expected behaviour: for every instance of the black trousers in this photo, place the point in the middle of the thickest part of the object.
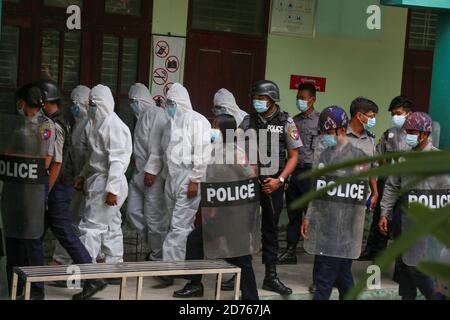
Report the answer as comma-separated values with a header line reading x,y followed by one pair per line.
x,y
194,251
376,242
23,252
59,219
271,210
297,188
330,272
411,279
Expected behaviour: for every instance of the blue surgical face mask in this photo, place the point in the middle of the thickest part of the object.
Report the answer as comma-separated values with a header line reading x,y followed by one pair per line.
x,y
135,107
92,112
330,141
302,105
370,124
398,121
76,110
412,140
260,106
216,135
171,110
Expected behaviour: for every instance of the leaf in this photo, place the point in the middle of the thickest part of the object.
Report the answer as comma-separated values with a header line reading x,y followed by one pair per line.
x,y
437,163
437,270
425,225
442,157
442,233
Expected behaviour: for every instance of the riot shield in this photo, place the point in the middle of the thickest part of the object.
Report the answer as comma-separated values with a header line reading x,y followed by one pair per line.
x,y
3,277
230,209
22,169
432,194
336,220
442,286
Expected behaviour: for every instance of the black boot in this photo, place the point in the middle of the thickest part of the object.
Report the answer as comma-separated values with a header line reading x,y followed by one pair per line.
x,y
272,283
90,289
229,285
289,256
190,290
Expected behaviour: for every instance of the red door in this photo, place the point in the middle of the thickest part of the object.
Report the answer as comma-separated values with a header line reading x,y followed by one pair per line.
x,y
417,77
419,52
216,60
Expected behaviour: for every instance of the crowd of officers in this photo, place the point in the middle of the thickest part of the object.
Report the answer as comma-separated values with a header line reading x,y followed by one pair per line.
x,y
92,150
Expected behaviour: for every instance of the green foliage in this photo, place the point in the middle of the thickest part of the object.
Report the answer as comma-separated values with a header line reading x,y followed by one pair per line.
x,y
420,165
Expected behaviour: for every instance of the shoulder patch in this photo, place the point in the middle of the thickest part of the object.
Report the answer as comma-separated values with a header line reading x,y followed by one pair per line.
x,y
45,131
294,133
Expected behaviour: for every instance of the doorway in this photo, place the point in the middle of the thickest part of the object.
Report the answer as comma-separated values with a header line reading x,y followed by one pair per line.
x,y
226,48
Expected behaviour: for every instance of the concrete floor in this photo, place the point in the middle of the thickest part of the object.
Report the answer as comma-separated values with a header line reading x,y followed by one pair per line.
x,y
297,277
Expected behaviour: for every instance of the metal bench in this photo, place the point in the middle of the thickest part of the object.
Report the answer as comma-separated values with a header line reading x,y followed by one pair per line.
x,y
123,271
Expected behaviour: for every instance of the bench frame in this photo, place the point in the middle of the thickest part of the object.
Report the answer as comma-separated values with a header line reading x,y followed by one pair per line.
x,y
124,276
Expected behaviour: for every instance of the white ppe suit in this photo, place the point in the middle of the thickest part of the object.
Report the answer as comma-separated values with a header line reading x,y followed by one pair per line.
x,y
187,147
110,150
225,99
146,208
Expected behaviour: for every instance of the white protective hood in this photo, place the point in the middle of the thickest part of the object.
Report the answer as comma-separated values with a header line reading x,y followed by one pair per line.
x,y
224,98
189,132
180,95
103,98
80,95
141,93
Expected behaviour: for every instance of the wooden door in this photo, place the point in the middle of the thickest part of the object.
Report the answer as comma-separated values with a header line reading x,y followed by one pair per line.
x,y
419,52
218,59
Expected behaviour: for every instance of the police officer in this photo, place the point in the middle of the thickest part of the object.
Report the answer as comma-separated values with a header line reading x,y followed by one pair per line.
x,y
418,127
307,122
393,140
333,226
61,180
363,119
26,251
268,116
236,229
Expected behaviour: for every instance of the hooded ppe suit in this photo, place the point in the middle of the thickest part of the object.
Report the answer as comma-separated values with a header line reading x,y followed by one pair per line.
x,y
110,150
146,209
79,150
187,146
226,100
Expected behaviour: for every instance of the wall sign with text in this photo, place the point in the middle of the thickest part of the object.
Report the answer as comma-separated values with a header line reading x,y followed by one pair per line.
x,y
320,83
294,17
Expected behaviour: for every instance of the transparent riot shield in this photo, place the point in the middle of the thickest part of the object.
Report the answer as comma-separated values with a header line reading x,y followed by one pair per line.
x,y
443,287
22,171
231,218
336,220
432,195
3,277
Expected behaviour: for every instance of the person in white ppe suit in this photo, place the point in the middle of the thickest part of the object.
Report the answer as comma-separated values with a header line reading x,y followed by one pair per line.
x,y
103,178
225,103
79,109
187,146
146,208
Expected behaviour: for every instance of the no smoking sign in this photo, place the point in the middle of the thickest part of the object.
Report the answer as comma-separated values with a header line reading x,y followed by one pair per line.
x,y
160,76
